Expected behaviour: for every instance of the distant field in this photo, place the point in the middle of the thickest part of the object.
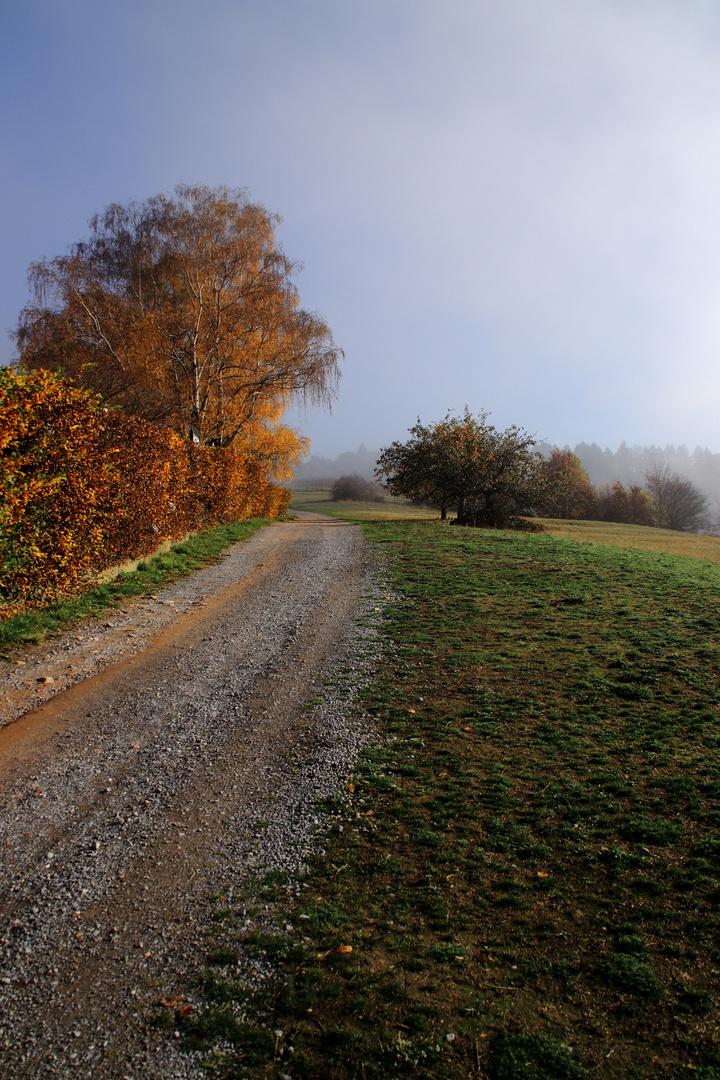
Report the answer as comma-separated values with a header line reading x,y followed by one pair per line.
x,y
637,538
319,502
633,537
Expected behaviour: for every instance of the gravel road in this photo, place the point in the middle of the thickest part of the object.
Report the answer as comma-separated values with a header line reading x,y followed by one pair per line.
x,y
179,747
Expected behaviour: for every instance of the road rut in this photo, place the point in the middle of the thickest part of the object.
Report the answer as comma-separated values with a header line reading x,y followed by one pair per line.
x,y
131,801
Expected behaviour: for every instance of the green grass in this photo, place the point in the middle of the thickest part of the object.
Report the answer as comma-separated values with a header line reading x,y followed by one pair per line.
x,y
529,874
198,550
392,509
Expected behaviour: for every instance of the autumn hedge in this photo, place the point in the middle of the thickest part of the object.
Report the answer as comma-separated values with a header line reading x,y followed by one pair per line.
x,y
84,488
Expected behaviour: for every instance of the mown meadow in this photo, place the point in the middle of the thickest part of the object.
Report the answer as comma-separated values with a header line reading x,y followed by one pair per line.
x,y
527,881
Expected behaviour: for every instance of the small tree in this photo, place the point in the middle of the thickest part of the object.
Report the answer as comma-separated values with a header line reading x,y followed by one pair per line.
x,y
631,507
640,506
419,469
488,476
679,505
567,492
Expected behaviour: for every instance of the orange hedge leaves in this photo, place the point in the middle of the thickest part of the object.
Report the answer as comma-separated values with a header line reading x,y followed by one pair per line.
x,y
83,488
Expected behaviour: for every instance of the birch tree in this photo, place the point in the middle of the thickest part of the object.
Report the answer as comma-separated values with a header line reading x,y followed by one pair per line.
x,y
184,310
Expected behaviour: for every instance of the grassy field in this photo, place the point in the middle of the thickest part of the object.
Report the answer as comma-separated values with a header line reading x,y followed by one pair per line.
x,y
392,509
637,538
527,884
608,534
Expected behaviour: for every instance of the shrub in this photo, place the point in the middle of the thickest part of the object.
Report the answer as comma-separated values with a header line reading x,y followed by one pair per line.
x,y
651,831
84,488
531,1057
628,974
356,489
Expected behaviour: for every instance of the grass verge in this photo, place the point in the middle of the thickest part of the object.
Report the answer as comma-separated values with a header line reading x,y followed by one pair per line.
x,y
528,880
32,627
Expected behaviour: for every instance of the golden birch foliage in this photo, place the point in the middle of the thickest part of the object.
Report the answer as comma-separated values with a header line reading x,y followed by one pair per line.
x,y
182,309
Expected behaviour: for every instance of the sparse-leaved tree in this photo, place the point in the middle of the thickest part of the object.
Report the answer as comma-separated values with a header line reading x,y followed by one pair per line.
x,y
678,504
464,463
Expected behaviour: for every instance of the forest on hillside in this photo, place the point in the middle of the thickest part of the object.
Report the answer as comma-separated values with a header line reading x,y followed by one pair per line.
x,y
627,464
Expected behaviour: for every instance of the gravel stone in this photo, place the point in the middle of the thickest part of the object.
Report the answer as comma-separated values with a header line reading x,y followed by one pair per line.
x,y
172,753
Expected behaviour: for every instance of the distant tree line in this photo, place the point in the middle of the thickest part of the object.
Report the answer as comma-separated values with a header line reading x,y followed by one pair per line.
x,y
630,465
497,479
667,500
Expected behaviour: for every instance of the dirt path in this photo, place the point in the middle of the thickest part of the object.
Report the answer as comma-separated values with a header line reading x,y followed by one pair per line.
x,y
134,799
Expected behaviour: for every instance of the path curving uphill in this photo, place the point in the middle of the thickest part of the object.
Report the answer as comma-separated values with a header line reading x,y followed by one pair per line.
x,y
192,759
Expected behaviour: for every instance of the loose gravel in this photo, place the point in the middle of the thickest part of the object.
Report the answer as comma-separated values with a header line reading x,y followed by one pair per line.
x,y
136,801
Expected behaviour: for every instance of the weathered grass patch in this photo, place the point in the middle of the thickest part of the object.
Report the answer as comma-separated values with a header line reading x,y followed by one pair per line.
x,y
528,882
181,560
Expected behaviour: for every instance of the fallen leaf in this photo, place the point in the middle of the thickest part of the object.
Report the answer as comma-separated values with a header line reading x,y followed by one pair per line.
x,y
171,1002
344,950
369,812
541,873
351,788
468,729
411,711
185,1010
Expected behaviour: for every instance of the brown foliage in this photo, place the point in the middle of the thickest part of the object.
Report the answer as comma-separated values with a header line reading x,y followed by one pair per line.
x,y
84,487
631,507
566,490
183,310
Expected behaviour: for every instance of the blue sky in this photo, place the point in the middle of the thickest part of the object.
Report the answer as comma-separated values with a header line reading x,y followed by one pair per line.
x,y
509,204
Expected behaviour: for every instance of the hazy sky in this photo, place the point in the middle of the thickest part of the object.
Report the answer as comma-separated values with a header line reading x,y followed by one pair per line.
x,y
513,204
